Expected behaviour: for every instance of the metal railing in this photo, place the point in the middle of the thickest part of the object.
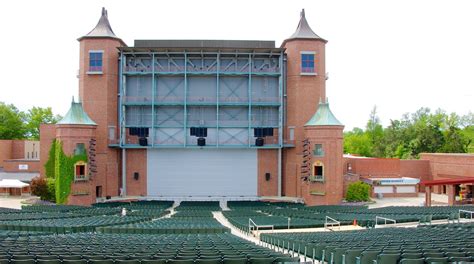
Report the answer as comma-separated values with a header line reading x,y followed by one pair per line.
x,y
331,222
471,213
392,221
254,227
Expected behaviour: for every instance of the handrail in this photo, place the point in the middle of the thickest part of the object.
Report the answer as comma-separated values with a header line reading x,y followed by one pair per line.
x,y
466,211
253,224
332,223
385,220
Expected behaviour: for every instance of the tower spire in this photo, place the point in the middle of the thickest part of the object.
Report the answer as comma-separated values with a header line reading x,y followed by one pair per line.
x,y
304,31
102,29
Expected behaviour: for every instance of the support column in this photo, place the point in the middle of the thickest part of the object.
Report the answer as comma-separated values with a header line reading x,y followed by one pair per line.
x,y
428,196
124,173
450,191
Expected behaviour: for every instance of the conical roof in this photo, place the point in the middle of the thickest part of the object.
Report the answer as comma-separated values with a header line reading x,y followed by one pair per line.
x,y
102,29
323,117
76,116
304,31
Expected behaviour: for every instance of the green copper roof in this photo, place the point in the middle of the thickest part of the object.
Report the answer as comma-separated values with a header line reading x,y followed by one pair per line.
x,y
76,116
323,117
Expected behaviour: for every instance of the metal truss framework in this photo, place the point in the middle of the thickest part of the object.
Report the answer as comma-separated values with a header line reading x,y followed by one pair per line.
x,y
230,93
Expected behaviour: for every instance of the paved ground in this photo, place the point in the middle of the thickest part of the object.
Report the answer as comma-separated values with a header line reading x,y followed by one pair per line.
x,y
438,199
13,202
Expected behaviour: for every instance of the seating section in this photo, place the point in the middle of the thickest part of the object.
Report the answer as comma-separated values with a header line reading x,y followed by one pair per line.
x,y
126,248
190,218
277,214
69,225
435,243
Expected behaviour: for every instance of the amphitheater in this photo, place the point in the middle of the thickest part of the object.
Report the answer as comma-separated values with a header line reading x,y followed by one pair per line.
x,y
189,232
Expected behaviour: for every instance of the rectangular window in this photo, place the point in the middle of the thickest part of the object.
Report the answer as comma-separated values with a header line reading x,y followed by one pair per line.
x,y
307,63
80,171
292,133
95,61
318,150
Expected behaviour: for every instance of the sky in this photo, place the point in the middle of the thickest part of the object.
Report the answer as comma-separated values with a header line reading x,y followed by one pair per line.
x,y
398,55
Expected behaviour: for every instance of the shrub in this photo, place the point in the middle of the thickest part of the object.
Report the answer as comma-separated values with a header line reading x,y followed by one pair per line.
x,y
358,192
44,188
38,186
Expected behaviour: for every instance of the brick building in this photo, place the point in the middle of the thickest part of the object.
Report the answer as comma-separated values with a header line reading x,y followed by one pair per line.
x,y
204,120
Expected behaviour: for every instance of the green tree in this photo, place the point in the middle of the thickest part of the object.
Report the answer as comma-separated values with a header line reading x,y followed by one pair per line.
x,y
36,116
358,142
11,122
375,133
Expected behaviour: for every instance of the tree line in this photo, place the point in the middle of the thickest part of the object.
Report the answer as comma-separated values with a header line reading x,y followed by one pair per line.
x,y
415,133
16,124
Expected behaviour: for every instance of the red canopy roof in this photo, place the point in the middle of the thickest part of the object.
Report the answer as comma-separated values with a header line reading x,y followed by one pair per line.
x,y
448,181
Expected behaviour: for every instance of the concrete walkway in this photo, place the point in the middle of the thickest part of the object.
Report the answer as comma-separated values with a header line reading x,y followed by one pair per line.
x,y
438,200
13,202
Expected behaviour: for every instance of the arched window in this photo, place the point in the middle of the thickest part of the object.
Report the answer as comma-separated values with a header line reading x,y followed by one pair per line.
x,y
80,172
318,170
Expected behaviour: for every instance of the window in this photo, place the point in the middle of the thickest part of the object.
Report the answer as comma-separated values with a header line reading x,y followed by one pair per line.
x,y
111,132
95,61
292,133
307,63
318,150
80,171
318,171
80,149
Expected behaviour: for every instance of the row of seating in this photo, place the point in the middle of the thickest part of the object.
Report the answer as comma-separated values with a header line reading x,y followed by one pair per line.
x,y
69,225
137,205
173,225
122,248
445,243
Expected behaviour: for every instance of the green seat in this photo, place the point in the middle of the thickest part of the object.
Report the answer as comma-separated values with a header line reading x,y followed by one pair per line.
x,y
209,261
4,261
412,261
101,261
74,261
235,260
436,260
70,257
337,255
460,259
181,261
153,261
388,258
22,257
286,260
433,254
368,256
48,261
261,260
351,255
23,261
128,261
411,255
455,254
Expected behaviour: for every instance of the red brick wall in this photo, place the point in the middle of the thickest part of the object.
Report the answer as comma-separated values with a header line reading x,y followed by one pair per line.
x,y
5,151
12,165
18,149
303,95
47,135
267,163
136,162
449,166
332,187
99,98
374,167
